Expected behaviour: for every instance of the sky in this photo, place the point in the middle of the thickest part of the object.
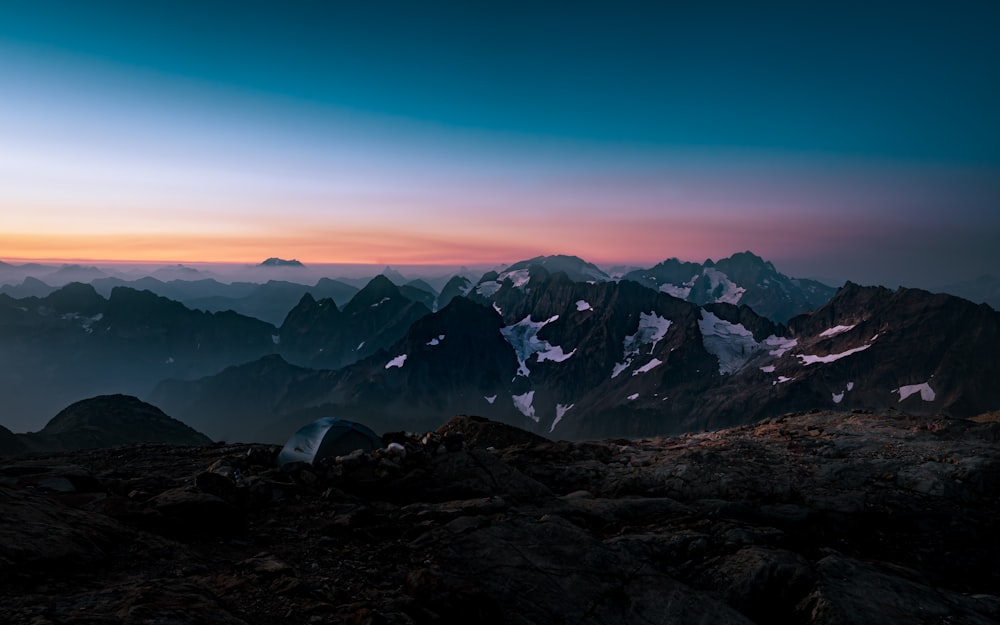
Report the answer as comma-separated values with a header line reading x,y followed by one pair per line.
x,y
839,140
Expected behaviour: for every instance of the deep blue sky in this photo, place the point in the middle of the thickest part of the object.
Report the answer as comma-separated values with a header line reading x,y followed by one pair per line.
x,y
910,80
876,123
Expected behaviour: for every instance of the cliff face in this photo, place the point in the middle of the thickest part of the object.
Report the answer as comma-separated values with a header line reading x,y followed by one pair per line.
x,y
820,518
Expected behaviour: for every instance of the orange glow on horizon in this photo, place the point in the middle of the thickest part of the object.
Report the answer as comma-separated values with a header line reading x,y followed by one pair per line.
x,y
641,242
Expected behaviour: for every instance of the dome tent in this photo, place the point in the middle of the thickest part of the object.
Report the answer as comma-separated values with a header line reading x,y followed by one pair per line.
x,y
326,438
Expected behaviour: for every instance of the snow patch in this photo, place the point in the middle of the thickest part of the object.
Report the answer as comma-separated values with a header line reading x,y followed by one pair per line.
x,y
839,397
582,305
768,369
497,308
436,340
396,362
523,337
380,302
837,330
490,398
169,360
730,293
633,397
679,291
619,367
275,338
780,345
523,404
561,410
781,380
808,359
648,366
487,289
731,343
360,345
652,328
925,390
553,353
518,277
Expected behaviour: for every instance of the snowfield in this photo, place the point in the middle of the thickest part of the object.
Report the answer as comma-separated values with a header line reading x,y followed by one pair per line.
x,y
731,293
652,328
523,337
648,366
518,277
808,359
731,343
780,345
682,291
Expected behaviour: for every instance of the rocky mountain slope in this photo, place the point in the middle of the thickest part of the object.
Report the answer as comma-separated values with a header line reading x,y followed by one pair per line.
x,y
580,360
743,278
320,335
811,519
551,344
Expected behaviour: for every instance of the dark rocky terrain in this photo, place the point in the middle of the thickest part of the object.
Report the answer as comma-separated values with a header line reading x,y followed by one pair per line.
x,y
816,518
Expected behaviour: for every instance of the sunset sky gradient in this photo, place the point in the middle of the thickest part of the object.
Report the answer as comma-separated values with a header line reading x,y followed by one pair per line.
x,y
838,140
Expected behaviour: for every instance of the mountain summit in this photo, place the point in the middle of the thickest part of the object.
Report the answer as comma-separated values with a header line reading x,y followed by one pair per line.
x,y
280,262
744,279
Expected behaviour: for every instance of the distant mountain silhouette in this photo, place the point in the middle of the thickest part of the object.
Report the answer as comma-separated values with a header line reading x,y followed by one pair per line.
x,y
983,290
280,262
29,287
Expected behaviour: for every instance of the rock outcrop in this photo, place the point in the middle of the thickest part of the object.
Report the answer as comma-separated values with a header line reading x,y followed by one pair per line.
x,y
104,421
814,519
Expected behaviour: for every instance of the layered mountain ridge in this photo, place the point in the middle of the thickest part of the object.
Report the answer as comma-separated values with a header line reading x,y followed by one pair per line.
x,y
578,360
552,344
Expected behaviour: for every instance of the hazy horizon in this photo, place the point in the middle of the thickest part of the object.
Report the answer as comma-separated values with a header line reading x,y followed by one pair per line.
x,y
310,272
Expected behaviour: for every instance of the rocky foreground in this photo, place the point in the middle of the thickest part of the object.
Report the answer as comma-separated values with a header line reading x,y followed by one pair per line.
x,y
821,518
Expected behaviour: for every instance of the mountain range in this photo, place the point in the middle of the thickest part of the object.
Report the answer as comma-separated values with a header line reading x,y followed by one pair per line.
x,y
577,360
551,344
